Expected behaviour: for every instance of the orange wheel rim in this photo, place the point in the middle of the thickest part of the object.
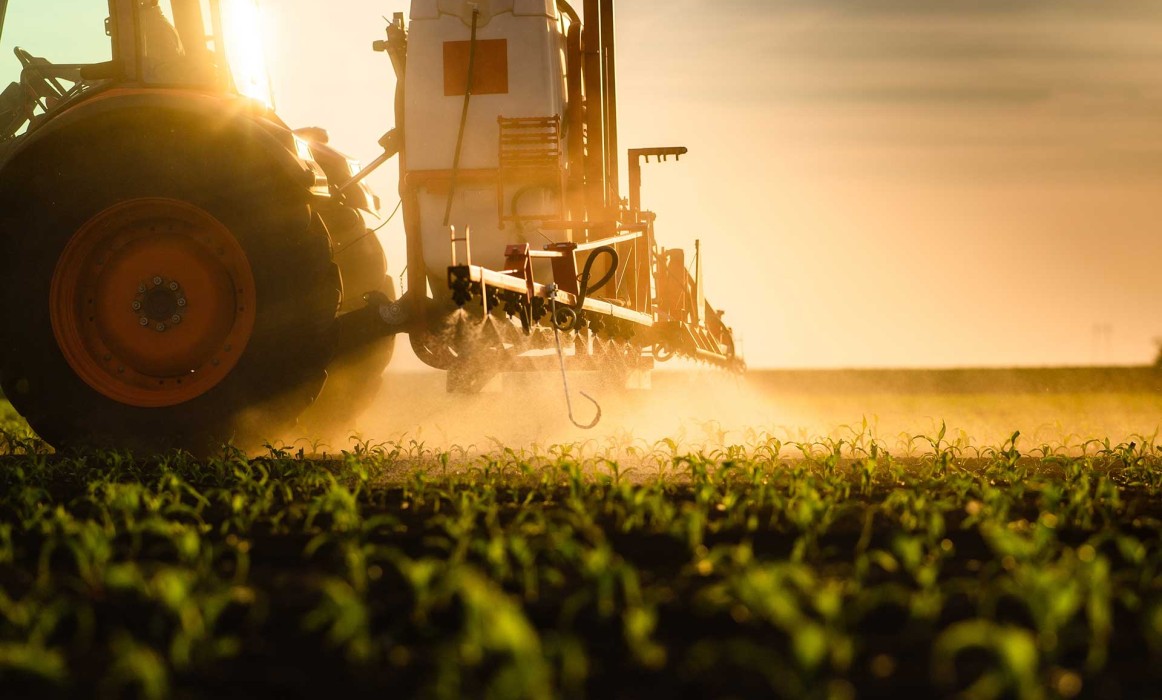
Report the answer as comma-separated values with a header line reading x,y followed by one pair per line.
x,y
153,302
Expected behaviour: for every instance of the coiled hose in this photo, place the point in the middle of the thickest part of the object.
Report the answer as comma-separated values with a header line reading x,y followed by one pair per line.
x,y
565,317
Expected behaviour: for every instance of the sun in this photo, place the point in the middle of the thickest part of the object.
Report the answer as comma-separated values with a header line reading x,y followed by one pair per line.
x,y
244,30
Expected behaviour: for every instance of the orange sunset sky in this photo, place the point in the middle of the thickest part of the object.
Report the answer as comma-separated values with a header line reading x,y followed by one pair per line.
x,y
878,183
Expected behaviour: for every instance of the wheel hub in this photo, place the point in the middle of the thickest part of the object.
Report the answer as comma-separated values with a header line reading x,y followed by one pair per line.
x,y
122,309
159,304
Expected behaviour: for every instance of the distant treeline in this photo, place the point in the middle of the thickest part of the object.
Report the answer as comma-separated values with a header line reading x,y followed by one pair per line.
x,y
960,381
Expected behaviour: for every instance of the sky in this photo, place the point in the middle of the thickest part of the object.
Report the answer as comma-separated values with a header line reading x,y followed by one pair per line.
x,y
884,183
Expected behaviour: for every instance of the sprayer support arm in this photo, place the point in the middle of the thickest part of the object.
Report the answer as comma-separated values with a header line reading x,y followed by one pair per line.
x,y
392,143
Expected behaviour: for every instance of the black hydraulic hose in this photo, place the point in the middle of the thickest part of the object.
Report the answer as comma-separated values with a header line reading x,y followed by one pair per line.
x,y
585,287
565,317
3,13
463,117
567,10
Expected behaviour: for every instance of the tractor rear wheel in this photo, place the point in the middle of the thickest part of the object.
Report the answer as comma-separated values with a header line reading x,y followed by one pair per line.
x,y
166,286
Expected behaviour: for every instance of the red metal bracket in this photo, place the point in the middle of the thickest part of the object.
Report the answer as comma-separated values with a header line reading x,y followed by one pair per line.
x,y
565,267
518,263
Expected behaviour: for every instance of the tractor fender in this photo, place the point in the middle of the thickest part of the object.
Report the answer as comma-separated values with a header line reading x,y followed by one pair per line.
x,y
212,112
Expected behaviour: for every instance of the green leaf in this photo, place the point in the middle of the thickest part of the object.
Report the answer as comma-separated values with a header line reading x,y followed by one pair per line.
x,y
809,642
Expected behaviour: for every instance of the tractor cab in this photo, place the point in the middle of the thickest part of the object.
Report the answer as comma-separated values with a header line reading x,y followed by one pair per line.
x,y
210,45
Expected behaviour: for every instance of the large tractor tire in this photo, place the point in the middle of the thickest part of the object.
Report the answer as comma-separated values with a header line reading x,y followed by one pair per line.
x,y
166,285
354,379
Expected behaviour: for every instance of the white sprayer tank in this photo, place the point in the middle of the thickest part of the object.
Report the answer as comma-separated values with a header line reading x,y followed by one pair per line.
x,y
519,71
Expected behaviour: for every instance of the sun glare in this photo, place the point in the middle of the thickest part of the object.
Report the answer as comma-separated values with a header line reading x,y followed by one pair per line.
x,y
244,30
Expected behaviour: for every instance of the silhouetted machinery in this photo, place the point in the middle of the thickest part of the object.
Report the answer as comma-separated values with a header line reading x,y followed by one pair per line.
x,y
181,268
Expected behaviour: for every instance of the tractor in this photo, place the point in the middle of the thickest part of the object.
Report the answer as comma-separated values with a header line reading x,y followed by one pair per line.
x,y
181,268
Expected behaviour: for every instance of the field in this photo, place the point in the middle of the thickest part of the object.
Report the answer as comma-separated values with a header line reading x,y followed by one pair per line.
x,y
797,534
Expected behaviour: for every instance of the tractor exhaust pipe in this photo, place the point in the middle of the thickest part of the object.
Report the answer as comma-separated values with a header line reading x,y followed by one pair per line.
x,y
601,110
609,98
597,194
3,13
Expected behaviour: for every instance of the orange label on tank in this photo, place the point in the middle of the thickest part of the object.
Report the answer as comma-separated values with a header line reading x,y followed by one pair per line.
x,y
489,70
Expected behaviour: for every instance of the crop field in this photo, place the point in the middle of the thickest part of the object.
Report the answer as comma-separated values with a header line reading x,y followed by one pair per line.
x,y
816,535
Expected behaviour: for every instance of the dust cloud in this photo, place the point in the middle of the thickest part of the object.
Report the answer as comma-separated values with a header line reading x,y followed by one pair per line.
x,y
523,410
700,408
